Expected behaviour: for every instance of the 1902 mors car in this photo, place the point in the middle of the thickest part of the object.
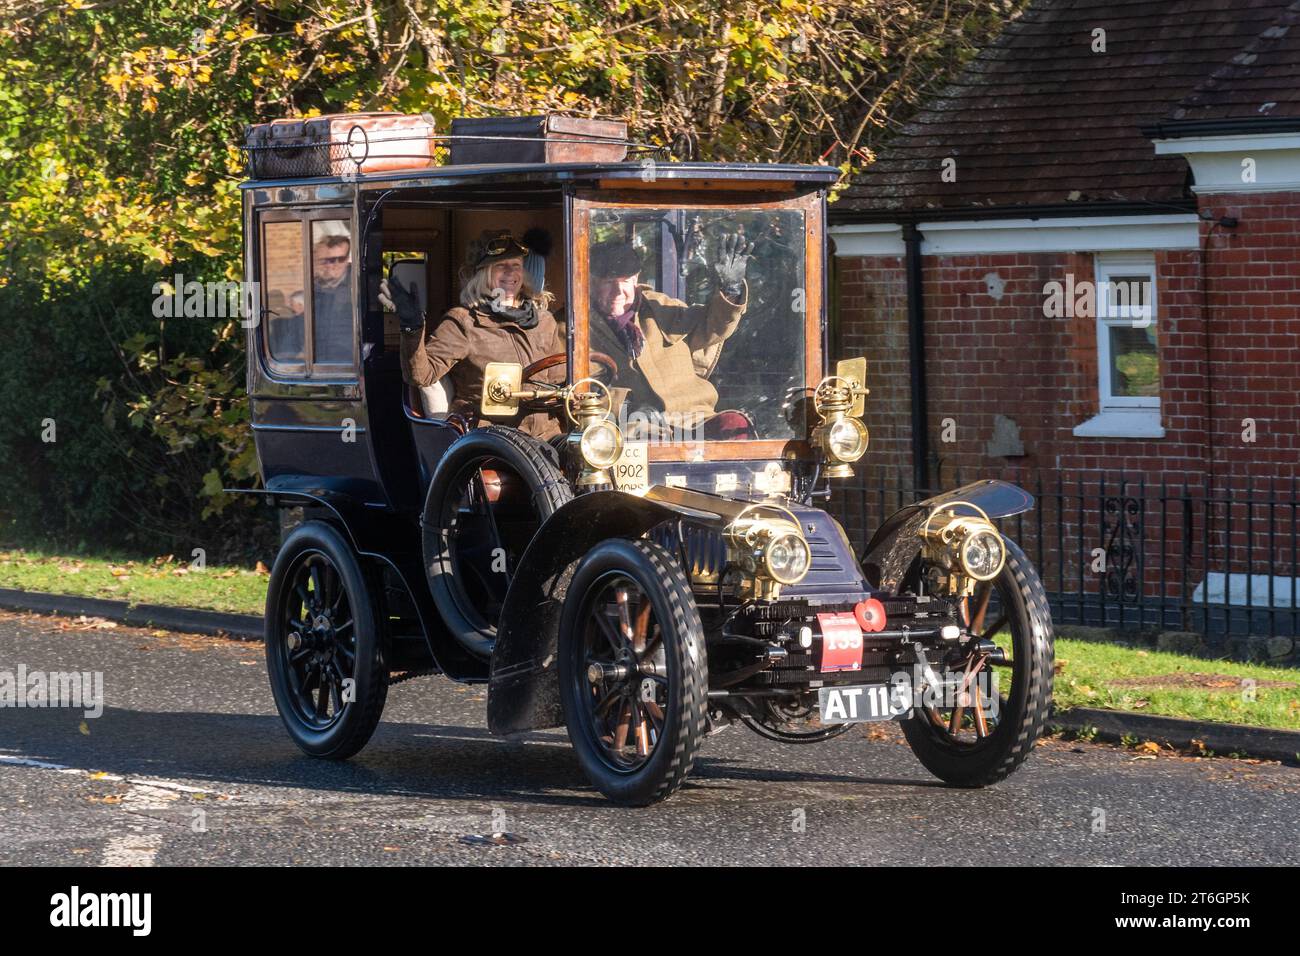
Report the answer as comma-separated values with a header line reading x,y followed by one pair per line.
x,y
658,570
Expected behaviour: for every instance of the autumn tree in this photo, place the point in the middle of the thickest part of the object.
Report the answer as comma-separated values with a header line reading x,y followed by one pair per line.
x,y
120,122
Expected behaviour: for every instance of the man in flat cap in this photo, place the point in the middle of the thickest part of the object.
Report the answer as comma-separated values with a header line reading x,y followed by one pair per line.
x,y
666,350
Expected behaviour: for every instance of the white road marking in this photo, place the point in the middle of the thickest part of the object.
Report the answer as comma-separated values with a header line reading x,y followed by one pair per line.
x,y
155,783
165,784
134,849
39,764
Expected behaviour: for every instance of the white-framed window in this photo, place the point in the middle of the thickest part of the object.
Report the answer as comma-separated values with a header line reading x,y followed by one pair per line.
x,y
1128,359
1127,318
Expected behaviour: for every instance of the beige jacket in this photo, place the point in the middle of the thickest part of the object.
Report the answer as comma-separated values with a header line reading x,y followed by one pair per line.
x,y
682,346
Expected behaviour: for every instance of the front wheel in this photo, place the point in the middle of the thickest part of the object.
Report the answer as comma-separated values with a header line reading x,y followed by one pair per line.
x,y
971,745
633,671
324,647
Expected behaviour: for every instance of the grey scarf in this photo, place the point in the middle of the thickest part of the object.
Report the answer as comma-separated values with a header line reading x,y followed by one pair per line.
x,y
525,316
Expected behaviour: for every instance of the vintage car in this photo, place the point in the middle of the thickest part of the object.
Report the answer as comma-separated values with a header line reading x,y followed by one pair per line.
x,y
643,579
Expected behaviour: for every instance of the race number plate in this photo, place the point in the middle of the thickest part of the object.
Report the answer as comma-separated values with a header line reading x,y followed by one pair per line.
x,y
841,642
855,705
632,470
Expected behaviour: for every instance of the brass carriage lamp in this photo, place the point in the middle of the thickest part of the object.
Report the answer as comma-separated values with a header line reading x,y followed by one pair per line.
x,y
968,546
840,401
599,441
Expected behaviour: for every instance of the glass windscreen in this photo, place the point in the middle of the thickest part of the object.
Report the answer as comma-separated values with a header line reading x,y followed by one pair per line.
x,y
696,320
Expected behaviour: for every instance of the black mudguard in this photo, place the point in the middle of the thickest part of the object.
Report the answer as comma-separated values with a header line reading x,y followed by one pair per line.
x,y
897,542
524,693
381,538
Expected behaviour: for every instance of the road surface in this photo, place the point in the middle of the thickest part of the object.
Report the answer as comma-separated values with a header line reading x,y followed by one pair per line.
x,y
189,764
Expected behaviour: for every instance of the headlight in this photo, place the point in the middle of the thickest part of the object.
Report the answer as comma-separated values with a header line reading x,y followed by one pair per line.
x,y
846,439
786,558
982,555
601,444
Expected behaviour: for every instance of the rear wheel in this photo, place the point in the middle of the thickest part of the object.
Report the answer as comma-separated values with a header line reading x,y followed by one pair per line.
x,y
324,646
633,671
963,740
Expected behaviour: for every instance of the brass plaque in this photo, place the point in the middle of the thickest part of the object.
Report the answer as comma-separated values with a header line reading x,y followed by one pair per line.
x,y
500,381
855,369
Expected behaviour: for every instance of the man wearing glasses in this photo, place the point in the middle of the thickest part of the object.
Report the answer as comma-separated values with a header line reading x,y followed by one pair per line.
x,y
332,292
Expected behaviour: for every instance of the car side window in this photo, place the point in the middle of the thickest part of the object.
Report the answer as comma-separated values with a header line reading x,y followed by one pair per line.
x,y
331,281
285,303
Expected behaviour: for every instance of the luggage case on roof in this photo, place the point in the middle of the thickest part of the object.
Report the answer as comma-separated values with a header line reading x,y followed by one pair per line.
x,y
338,144
548,138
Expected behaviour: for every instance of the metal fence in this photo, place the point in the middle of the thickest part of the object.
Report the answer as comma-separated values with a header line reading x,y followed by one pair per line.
x,y
1137,552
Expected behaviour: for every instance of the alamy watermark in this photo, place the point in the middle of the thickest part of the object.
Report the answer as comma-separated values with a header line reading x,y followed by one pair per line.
x,y
1123,299
77,690
192,299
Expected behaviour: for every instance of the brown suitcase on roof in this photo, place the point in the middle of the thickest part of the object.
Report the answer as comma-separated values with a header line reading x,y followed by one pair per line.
x,y
538,139
339,144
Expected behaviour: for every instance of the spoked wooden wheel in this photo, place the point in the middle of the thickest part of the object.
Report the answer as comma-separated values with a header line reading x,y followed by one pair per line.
x,y
324,647
633,671
972,714
980,732
627,675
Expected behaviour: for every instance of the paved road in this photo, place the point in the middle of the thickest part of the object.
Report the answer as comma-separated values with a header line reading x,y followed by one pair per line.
x,y
189,764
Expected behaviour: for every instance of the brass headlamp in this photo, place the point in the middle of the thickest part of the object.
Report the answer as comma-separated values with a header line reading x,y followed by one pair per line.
x,y
839,401
765,542
968,547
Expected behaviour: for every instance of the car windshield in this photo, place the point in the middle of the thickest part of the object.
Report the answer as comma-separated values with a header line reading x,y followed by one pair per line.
x,y
701,313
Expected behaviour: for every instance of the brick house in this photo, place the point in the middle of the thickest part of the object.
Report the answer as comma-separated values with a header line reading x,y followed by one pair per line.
x,y
1082,259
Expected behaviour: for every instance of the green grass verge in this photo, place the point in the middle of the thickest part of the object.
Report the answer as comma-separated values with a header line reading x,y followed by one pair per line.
x,y
1112,677
163,580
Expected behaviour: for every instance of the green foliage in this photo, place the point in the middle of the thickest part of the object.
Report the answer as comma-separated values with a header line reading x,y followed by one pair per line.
x,y
119,126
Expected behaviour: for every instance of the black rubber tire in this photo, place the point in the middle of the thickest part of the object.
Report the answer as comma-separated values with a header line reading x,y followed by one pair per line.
x,y
360,716
536,463
660,577
1025,710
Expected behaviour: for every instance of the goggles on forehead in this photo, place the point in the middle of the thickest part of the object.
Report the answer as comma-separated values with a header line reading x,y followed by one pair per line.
x,y
501,247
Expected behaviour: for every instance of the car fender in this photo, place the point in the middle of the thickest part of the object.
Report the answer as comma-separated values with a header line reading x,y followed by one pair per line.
x,y
897,541
379,538
523,692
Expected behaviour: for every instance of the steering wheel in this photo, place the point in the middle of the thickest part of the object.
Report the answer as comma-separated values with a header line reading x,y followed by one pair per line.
x,y
559,358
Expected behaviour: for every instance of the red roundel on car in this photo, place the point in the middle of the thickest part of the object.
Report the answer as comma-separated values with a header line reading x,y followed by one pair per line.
x,y
870,615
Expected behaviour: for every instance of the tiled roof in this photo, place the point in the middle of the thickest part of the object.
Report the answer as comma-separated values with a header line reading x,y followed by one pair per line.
x,y
1038,118
1262,80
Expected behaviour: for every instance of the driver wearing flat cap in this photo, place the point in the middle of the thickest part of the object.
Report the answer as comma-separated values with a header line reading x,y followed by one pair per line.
x,y
667,349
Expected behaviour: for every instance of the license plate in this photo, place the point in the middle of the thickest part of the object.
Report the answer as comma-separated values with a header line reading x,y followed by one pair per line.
x,y
855,705
632,470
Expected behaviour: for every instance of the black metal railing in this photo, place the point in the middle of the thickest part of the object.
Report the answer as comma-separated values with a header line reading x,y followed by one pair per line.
x,y
1137,552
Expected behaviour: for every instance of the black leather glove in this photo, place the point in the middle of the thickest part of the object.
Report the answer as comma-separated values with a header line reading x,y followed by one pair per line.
x,y
733,259
405,302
